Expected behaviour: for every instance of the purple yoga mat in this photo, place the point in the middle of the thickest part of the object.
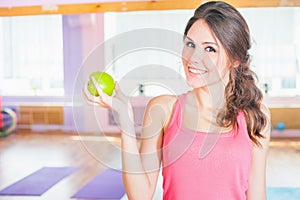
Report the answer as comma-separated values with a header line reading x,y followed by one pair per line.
x,y
38,182
106,185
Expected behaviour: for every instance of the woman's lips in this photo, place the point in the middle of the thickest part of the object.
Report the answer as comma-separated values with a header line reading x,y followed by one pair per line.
x,y
197,71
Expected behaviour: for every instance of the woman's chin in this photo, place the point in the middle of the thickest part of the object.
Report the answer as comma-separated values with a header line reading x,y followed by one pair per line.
x,y
196,85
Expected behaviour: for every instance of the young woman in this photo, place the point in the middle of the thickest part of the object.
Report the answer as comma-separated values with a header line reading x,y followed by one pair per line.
x,y
212,141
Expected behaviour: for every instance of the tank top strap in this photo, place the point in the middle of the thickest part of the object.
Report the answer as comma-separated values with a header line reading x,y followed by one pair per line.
x,y
241,120
176,117
242,126
180,108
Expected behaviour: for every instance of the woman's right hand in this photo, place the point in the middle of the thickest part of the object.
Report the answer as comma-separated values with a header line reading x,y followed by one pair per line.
x,y
117,102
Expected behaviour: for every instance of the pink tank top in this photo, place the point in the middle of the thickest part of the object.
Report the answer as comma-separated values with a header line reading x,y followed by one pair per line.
x,y
208,166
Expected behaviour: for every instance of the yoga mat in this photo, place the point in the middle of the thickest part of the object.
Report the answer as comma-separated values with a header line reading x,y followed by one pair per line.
x,y
106,185
38,182
283,193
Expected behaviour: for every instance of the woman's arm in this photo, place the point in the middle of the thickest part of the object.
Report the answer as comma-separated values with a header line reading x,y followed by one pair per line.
x,y
141,180
257,176
140,165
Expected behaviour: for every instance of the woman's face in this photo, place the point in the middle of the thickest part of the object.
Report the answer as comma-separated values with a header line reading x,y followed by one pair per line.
x,y
204,58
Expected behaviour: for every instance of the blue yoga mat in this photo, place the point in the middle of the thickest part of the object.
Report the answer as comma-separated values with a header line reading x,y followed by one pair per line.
x,y
38,182
106,185
283,193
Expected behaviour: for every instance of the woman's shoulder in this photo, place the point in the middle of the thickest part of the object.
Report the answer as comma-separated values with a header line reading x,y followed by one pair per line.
x,y
265,110
164,101
266,132
162,108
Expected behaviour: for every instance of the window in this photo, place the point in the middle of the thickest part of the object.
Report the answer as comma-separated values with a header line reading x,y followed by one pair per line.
x,y
275,48
31,56
158,68
275,44
288,83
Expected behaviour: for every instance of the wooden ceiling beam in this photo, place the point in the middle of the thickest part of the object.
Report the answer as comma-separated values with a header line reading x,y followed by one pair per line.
x,y
134,6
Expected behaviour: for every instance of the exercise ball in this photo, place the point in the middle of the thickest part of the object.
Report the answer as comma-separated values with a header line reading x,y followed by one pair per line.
x,y
9,124
280,126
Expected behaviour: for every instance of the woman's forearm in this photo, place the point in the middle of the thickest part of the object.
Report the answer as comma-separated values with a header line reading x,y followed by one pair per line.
x,y
135,179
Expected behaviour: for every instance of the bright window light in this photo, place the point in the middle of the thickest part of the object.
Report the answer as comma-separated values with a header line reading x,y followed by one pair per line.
x,y
31,56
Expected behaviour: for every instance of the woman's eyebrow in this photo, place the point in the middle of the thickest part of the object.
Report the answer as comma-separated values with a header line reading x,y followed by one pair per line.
x,y
189,38
214,43
203,43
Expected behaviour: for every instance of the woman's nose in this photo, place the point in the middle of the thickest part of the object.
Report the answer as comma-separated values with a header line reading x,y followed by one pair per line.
x,y
196,56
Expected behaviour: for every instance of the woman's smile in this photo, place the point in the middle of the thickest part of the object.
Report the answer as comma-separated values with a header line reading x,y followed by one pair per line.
x,y
196,71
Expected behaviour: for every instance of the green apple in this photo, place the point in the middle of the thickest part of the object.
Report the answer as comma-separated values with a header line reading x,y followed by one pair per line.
x,y
105,81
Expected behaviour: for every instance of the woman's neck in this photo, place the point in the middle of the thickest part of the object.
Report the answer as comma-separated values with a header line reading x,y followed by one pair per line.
x,y
210,98
202,109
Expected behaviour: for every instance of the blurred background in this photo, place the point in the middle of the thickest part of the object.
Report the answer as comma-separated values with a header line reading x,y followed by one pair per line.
x,y
46,47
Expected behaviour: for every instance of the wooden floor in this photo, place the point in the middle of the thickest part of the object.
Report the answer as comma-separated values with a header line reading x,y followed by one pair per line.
x,y
25,152
283,163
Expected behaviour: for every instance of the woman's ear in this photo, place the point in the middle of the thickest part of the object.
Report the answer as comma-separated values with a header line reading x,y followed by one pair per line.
x,y
236,63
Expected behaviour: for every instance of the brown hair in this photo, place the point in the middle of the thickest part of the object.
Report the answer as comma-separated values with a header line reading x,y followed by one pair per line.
x,y
241,92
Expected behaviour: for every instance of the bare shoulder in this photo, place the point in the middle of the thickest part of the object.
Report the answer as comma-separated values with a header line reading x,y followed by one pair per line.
x,y
266,131
267,113
265,110
162,107
166,101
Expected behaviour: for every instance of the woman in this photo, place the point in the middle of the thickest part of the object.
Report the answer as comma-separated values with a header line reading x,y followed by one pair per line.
x,y
212,141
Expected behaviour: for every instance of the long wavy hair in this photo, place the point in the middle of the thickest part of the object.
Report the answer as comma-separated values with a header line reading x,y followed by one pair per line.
x,y
241,92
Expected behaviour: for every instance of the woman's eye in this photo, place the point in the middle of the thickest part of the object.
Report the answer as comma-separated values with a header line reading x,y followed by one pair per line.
x,y
190,44
210,49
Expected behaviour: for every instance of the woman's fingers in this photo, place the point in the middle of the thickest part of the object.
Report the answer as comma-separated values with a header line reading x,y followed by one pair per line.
x,y
117,91
93,100
88,95
104,98
117,101
88,100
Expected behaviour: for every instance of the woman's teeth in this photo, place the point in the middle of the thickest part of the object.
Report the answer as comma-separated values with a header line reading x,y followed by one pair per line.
x,y
197,71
